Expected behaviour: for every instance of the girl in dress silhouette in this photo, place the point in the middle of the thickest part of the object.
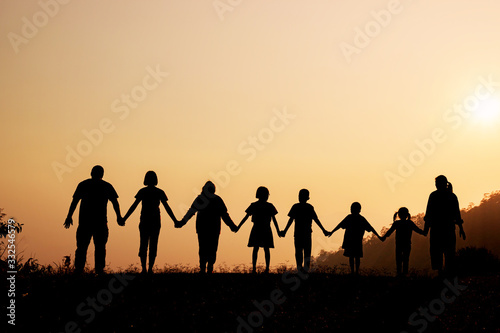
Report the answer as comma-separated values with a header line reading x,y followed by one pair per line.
x,y
355,226
149,226
404,228
262,213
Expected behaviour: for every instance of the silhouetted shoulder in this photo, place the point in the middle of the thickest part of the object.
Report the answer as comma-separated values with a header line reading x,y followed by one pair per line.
x,y
261,208
349,221
151,192
95,187
212,203
302,211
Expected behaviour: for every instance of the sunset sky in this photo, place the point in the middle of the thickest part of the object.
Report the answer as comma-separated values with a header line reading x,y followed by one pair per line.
x,y
356,101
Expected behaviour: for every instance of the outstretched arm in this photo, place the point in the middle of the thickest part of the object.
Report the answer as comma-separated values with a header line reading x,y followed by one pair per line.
x,y
69,219
229,222
276,225
388,232
189,214
288,225
376,234
243,221
418,230
321,226
131,210
336,228
169,212
116,207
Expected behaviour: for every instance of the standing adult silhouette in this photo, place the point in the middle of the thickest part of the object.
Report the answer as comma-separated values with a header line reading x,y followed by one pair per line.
x,y
211,209
94,194
441,216
150,221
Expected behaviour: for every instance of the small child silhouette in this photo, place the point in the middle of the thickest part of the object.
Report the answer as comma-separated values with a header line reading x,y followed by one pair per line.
x,y
150,221
355,226
404,228
303,214
262,213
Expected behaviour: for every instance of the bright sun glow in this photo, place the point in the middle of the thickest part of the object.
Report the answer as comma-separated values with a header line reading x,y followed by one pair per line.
x,y
488,110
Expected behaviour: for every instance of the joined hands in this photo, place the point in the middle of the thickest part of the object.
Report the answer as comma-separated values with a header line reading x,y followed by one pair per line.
x,y
121,221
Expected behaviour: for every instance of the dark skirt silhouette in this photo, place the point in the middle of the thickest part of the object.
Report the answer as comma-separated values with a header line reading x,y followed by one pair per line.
x,y
261,234
355,226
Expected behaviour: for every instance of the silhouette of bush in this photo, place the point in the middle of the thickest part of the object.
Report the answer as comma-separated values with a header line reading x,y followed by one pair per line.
x,y
477,261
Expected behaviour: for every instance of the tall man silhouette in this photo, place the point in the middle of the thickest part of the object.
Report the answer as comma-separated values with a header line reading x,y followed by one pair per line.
x,y
211,209
92,221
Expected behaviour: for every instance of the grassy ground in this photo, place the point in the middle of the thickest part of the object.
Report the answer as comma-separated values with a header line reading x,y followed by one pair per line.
x,y
240,302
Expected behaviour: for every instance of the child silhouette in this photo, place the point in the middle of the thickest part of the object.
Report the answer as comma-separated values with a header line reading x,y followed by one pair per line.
x,y
262,213
150,223
355,226
303,214
404,228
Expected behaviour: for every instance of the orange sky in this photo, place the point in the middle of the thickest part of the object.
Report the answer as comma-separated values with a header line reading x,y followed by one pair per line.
x,y
364,102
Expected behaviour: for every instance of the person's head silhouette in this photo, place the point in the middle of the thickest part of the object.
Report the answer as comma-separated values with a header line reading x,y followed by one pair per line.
x,y
303,195
150,179
209,189
355,208
97,172
441,182
262,193
403,213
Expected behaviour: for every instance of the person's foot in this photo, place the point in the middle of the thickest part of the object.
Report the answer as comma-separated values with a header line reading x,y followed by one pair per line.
x,y
210,269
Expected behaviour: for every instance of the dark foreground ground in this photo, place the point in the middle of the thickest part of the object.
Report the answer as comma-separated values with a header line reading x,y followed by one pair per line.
x,y
183,302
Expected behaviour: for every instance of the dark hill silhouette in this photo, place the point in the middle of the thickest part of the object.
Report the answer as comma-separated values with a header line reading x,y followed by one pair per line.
x,y
481,224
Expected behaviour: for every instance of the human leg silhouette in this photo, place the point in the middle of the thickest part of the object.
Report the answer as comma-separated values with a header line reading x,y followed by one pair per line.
x,y
399,261
354,262
143,246
255,252
100,240
406,261
307,254
153,248
202,252
83,237
299,257
267,255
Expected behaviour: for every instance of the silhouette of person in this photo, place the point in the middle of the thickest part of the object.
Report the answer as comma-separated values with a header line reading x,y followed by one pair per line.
x,y
211,209
261,235
441,216
404,228
150,221
355,226
303,214
94,194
